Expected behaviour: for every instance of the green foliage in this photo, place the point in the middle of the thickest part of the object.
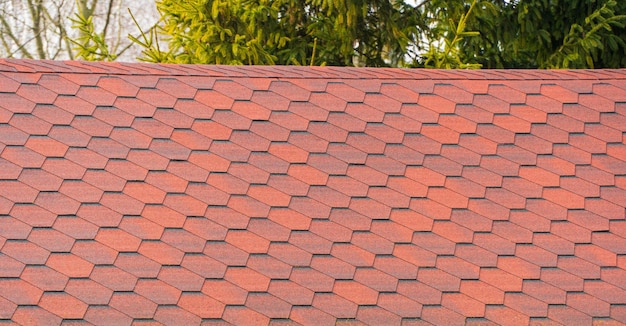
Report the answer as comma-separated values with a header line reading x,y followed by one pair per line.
x,y
149,43
348,32
433,33
583,44
449,56
548,34
221,32
90,45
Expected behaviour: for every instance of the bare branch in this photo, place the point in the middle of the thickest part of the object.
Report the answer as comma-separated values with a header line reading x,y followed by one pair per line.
x,y
35,13
107,19
15,40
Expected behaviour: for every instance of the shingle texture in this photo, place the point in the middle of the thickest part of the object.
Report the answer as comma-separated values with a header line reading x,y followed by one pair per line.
x,y
182,195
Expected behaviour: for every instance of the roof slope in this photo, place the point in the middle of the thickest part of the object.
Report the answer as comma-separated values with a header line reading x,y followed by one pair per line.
x,y
182,194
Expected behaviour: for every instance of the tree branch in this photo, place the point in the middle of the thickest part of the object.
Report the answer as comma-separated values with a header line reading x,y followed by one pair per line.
x,y
11,35
108,19
35,13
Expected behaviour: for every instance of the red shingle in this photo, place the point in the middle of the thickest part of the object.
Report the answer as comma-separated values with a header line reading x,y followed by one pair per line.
x,y
447,197
89,291
422,144
170,149
370,208
571,232
12,268
158,291
495,133
310,315
100,178
519,267
419,292
144,192
431,208
161,252
544,292
452,231
122,203
63,305
372,243
247,241
200,265
96,314
567,315
501,279
118,86
458,267
414,255
440,134
291,292
133,305
181,278
335,305
25,251
503,315
329,197
23,156
35,314
135,106
376,315
114,278
108,148
186,205
376,279
174,314
51,239
184,240
333,267
438,279
267,305
588,304
396,267
32,215
269,196
441,315
463,304
482,176
247,279
111,116
213,99
9,170
40,180
137,265
482,292
295,194
47,146
310,207
500,165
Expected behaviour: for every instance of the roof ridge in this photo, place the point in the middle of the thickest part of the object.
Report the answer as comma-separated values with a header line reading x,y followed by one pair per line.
x,y
298,72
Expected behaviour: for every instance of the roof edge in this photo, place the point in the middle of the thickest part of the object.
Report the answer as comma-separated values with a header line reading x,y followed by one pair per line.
x,y
297,72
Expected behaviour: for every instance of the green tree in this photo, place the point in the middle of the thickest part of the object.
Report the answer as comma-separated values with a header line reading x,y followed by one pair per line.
x,y
444,40
429,33
342,32
547,34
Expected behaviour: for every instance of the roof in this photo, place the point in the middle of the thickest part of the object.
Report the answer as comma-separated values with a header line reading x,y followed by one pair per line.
x,y
181,194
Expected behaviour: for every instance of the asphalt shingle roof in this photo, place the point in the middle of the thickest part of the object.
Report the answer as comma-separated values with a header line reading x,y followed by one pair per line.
x,y
183,194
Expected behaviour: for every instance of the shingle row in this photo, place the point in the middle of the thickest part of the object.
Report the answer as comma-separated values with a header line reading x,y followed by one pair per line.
x,y
130,193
